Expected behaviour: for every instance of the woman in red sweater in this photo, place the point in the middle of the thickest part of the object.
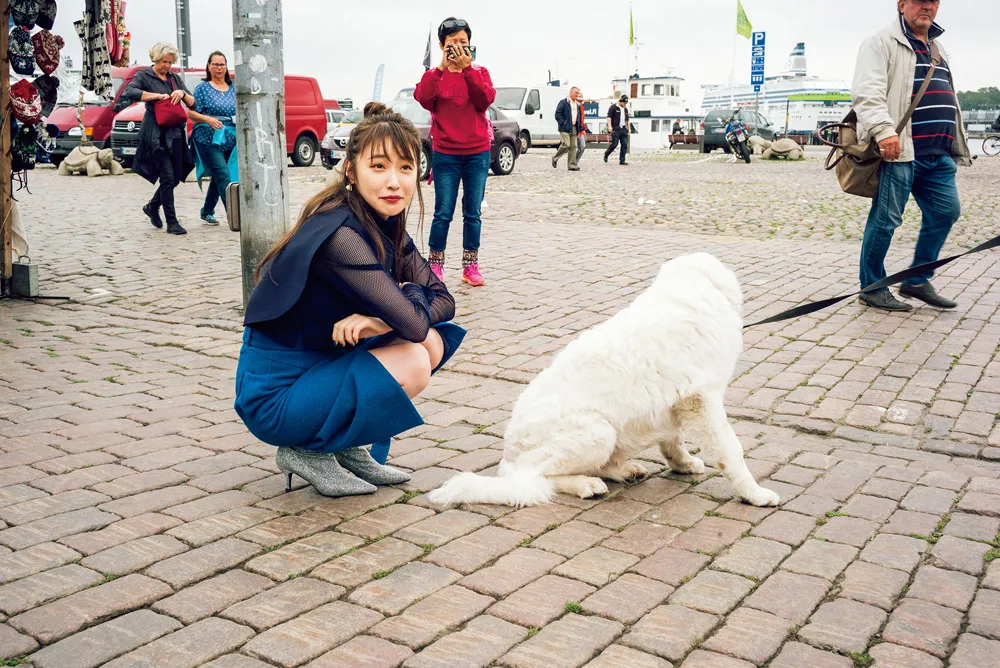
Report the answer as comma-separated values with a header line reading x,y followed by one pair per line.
x,y
458,93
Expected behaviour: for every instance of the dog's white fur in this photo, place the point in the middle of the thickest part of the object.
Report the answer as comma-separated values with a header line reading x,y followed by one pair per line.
x,y
651,375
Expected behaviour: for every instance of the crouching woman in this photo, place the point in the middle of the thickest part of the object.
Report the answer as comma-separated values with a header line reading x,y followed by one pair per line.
x,y
347,321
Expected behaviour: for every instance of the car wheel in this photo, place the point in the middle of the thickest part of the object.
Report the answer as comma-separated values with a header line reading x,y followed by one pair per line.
x,y
425,163
504,162
128,162
305,151
525,141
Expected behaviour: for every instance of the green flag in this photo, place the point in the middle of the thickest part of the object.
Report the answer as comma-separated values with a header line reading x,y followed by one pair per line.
x,y
631,29
743,26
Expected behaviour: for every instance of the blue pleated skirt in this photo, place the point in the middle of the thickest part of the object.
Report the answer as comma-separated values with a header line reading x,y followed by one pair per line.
x,y
324,401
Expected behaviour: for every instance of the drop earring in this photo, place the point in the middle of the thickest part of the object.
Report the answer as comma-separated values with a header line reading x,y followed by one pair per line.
x,y
349,187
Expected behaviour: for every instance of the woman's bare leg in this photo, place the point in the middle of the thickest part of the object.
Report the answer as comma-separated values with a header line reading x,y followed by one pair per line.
x,y
409,363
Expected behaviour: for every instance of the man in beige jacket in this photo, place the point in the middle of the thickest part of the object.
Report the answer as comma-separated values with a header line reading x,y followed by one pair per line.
x,y
922,160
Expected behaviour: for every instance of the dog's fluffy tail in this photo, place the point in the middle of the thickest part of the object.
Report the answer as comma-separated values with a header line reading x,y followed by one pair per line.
x,y
519,487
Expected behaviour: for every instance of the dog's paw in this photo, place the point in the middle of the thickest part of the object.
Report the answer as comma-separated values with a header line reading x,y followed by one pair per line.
x,y
635,471
591,487
761,497
693,466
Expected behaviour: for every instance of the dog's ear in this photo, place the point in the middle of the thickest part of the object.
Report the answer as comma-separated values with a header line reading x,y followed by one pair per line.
x,y
710,267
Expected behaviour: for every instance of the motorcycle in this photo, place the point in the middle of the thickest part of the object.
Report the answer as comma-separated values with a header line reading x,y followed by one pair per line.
x,y
736,137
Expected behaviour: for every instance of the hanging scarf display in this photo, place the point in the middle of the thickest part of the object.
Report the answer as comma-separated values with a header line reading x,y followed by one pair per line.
x,y
92,31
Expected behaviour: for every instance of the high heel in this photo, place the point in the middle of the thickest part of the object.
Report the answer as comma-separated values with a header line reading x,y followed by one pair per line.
x,y
288,482
360,462
322,471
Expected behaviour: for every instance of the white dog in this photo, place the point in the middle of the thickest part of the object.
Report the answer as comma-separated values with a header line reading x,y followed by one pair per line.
x,y
652,374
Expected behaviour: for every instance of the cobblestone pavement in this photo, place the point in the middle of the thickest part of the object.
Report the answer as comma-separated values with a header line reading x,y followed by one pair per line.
x,y
141,525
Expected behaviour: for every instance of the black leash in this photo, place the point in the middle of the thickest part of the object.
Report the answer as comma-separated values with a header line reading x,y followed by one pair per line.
x,y
898,277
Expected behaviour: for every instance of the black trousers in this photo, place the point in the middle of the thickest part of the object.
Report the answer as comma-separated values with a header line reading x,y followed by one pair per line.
x,y
619,136
171,167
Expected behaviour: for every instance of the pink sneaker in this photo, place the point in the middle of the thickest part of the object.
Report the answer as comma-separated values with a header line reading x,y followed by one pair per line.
x,y
471,275
438,271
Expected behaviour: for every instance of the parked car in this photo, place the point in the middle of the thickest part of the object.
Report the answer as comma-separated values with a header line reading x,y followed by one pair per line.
x,y
351,117
305,120
714,127
534,109
504,150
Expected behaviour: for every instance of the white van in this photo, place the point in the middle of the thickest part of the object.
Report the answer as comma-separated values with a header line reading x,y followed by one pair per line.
x,y
534,109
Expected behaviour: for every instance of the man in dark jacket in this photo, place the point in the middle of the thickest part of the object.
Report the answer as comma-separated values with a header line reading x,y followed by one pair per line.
x,y
618,126
570,123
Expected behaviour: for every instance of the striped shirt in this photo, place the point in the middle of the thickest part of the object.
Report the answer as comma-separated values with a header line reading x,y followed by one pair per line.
x,y
934,119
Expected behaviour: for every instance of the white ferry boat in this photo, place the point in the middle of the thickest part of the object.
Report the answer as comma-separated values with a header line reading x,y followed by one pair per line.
x,y
654,104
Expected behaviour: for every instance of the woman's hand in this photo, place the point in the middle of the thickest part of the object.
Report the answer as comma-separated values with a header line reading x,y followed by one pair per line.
x,y
214,123
462,59
354,328
177,96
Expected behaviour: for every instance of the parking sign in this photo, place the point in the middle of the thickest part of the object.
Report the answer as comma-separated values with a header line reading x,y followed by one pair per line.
x,y
757,46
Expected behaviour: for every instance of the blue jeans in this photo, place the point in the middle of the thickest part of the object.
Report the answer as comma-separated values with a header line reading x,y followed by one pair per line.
x,y
217,163
471,170
931,180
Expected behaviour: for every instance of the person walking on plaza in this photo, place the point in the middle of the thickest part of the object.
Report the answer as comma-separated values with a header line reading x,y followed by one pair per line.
x,y
163,153
214,134
618,126
891,67
458,94
569,120
581,137
347,322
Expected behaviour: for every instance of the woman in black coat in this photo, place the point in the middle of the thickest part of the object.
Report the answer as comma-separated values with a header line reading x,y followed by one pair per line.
x,y
163,153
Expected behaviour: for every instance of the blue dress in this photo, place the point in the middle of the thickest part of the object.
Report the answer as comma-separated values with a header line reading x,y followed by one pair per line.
x,y
218,104
294,386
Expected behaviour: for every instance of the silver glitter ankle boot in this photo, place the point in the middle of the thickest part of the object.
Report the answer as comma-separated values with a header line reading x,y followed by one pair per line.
x,y
321,470
360,462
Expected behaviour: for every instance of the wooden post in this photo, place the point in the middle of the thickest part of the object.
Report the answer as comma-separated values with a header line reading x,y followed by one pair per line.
x,y
6,219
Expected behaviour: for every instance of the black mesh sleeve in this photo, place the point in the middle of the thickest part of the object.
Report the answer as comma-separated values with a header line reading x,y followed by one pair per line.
x,y
414,269
347,262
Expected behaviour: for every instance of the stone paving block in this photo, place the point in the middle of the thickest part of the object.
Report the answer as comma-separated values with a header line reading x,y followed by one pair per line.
x,y
702,659
887,489
899,552
615,512
385,521
100,644
789,595
947,588
616,656
38,589
134,555
432,617
843,625
848,530
55,527
357,567
236,661
314,633
472,552
364,652
34,559
984,618
87,477
483,640
281,603
945,479
713,592
188,647
909,523
874,585
281,530
571,538
814,506
671,565
572,640
202,562
449,525
744,512
752,557
217,464
165,458
931,500
750,635
798,655
61,618
302,556
233,479
974,651
396,591
535,520
712,535
212,596
627,599
512,571
973,527
210,529
887,655
682,512
642,538
869,508
18,494
980,504
655,490
820,559
141,483
151,502
212,504
923,626
992,579
670,631
785,527
960,555
14,645
541,601
597,566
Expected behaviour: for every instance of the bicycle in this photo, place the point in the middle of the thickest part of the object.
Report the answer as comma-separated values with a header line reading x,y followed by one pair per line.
x,y
991,145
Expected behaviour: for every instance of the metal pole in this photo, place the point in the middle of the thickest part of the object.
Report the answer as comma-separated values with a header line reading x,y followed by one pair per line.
x,y
183,15
6,218
260,130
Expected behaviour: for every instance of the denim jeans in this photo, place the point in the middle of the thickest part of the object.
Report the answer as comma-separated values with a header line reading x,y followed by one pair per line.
x,y
931,180
618,137
216,161
449,169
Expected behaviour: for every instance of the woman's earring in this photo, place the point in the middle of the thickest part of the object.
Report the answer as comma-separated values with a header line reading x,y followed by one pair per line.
x,y
349,187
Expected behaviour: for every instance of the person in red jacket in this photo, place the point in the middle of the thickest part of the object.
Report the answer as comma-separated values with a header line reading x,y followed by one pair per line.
x,y
458,94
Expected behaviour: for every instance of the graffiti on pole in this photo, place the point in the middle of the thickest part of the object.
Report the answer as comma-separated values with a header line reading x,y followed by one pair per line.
x,y
266,161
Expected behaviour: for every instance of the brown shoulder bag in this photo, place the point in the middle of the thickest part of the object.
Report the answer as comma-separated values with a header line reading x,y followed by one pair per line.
x,y
858,165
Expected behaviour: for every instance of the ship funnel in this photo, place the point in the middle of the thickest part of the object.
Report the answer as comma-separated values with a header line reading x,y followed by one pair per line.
x,y
796,65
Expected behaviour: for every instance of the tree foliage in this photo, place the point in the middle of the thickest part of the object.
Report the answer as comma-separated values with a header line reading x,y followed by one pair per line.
x,y
984,98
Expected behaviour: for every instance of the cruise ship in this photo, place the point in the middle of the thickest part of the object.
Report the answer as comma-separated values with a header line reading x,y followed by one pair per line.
x,y
810,101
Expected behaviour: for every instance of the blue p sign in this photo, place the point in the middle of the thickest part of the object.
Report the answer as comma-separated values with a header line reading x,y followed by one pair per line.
x,y
758,39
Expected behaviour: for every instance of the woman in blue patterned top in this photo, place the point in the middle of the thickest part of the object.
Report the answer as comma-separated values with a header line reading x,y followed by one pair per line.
x,y
215,133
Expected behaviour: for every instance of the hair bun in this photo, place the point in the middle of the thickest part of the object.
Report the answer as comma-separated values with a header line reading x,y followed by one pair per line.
x,y
375,109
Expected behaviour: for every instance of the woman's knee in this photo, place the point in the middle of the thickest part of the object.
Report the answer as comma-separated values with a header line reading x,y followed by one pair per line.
x,y
418,369
434,345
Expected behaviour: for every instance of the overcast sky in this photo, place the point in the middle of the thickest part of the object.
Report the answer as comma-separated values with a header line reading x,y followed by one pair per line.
x,y
583,42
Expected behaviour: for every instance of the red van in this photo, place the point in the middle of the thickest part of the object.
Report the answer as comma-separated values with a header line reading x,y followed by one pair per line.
x,y
305,120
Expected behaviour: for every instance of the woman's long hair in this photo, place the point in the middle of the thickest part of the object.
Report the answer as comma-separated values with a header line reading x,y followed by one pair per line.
x,y
208,67
379,127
